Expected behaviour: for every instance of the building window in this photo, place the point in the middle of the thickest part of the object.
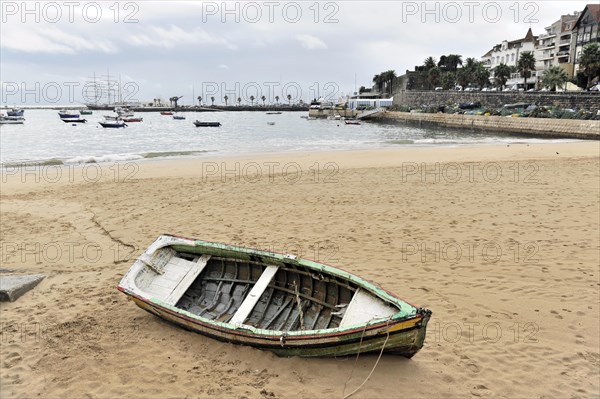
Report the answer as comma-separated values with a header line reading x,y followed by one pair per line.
x,y
512,57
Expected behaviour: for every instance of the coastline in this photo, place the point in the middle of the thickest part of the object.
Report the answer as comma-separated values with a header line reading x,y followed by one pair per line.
x,y
505,254
536,127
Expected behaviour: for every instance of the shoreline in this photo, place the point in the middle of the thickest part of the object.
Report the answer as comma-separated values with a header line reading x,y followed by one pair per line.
x,y
534,127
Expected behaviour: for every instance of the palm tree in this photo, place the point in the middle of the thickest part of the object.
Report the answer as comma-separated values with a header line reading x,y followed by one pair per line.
x,y
263,98
589,62
212,100
442,63
501,74
429,63
252,100
453,61
239,101
448,80
433,76
553,77
471,64
525,65
389,77
481,75
289,97
200,100
226,98
463,77
277,99
378,80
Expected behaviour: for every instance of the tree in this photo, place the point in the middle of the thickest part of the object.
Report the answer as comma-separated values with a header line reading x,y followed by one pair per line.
x,y
225,98
463,77
453,61
481,75
554,76
429,63
289,97
501,74
589,62
252,100
388,78
378,80
277,99
525,65
200,100
448,80
471,64
263,98
442,63
434,76
212,100
174,100
239,101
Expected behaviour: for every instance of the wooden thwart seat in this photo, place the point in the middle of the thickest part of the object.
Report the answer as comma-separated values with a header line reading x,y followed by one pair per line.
x,y
185,272
254,295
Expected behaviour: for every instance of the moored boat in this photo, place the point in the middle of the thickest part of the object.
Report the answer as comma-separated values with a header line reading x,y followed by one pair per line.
x,y
207,124
166,113
73,120
11,120
290,306
113,124
274,113
352,122
133,119
179,117
86,112
15,112
66,114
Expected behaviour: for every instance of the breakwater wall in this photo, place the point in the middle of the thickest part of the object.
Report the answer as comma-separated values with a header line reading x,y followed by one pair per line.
x,y
574,100
539,127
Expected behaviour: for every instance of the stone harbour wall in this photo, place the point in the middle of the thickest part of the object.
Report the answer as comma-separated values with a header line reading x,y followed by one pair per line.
x,y
539,127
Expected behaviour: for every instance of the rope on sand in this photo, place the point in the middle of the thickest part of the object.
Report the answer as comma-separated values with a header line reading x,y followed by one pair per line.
x,y
344,396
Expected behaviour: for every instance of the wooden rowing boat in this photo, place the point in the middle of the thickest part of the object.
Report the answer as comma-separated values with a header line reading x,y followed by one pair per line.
x,y
290,306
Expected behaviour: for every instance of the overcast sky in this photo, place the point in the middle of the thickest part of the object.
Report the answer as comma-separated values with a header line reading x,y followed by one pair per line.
x,y
164,48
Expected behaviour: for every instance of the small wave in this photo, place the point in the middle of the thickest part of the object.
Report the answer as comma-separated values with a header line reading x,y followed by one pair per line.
x,y
47,162
104,158
400,141
172,154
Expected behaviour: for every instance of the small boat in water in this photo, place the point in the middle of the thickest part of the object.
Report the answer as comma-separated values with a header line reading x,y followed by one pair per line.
x,y
66,114
179,117
352,122
86,112
166,113
274,113
15,112
113,124
270,123
133,119
275,302
11,120
73,120
207,124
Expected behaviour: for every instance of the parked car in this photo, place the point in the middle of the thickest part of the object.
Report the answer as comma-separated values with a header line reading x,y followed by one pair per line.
x,y
595,88
439,88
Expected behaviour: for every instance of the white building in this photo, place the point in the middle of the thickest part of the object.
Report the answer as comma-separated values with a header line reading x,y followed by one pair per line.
x,y
359,101
508,52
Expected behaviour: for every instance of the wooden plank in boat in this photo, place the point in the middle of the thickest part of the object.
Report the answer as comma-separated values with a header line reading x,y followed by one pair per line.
x,y
189,271
261,285
365,307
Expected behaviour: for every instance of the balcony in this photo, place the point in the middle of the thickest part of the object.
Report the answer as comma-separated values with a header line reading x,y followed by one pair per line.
x,y
562,54
543,46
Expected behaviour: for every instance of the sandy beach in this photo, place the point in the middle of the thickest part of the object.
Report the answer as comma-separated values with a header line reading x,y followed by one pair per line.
x,y
500,242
